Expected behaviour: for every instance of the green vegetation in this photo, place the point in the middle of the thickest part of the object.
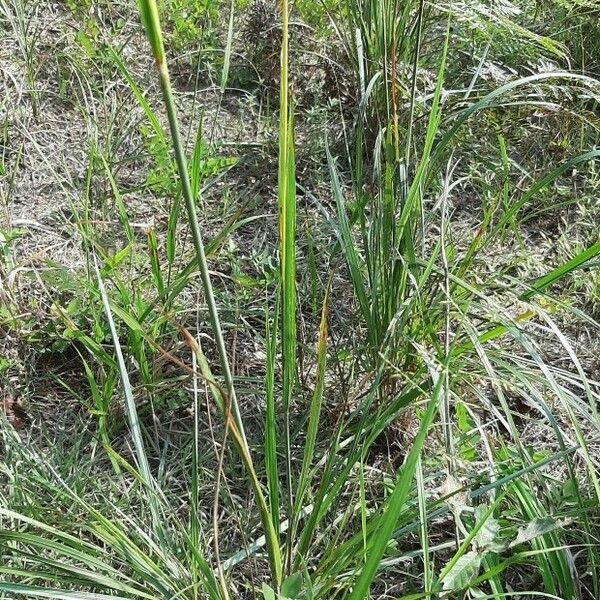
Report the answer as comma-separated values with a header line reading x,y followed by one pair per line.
x,y
299,301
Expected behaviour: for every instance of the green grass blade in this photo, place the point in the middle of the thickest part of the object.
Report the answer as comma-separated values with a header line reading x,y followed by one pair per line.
x,y
287,249
489,100
510,214
313,420
271,461
132,414
537,287
349,249
386,523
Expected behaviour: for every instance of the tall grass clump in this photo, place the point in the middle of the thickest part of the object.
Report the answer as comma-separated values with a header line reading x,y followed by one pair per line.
x,y
420,300
438,356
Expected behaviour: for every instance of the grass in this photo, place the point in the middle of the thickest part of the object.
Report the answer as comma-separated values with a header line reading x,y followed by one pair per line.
x,y
360,379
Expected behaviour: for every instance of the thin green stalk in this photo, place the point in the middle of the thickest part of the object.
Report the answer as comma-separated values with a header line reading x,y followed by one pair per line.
x,y
424,532
150,17
151,20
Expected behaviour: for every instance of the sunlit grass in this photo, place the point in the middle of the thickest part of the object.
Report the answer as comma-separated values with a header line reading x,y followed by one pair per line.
x,y
432,348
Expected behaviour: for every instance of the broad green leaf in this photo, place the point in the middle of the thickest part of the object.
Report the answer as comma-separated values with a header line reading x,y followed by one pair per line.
x,y
268,592
463,572
487,537
536,528
292,586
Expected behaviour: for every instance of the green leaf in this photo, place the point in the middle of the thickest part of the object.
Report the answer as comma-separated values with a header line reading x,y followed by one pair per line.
x,y
268,592
463,572
488,536
31,591
536,528
86,44
292,586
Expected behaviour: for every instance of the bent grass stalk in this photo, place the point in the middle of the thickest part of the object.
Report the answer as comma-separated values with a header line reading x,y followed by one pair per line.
x,y
151,20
